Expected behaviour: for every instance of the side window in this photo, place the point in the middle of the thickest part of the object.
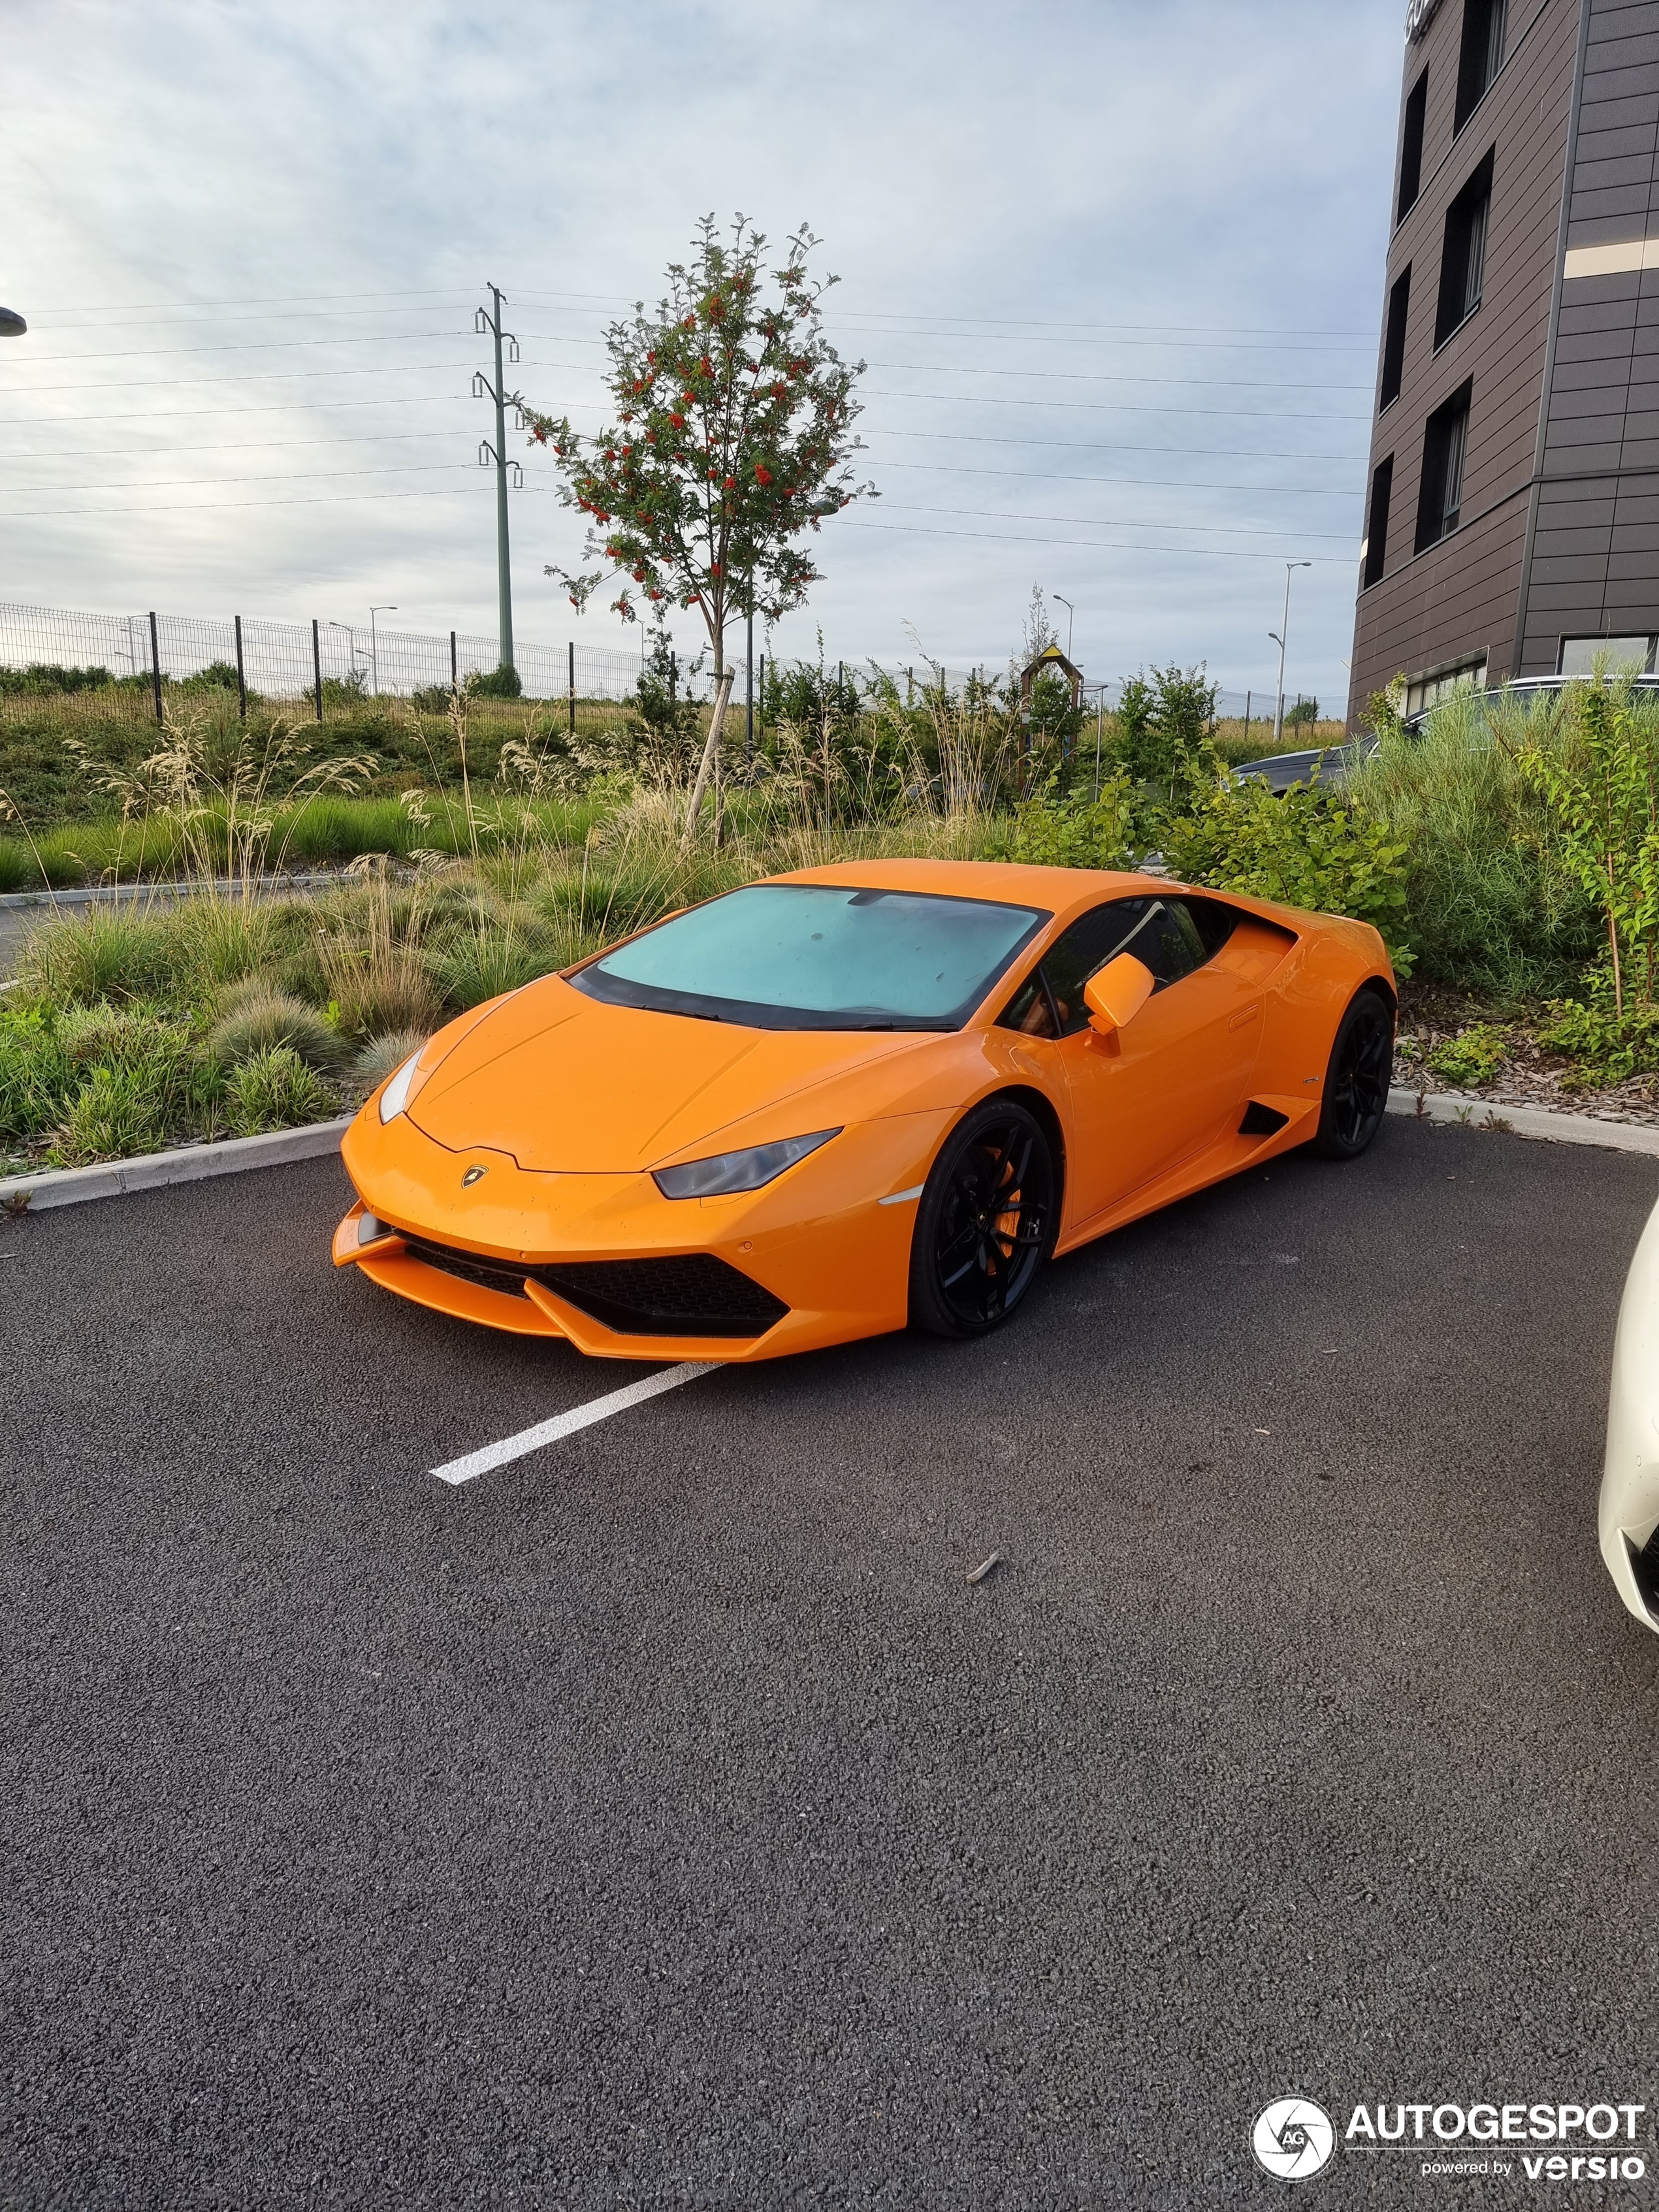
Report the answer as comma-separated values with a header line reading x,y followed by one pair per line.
x,y
1169,942
1172,936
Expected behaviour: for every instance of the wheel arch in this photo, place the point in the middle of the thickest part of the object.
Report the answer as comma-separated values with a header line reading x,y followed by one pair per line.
x,y
1042,1106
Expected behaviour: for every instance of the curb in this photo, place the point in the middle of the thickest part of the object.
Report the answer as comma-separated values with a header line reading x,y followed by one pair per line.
x,y
155,1170
1538,1121
168,887
236,1155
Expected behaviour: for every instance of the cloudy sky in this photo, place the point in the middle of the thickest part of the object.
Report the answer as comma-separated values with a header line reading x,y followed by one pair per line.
x,y
1115,269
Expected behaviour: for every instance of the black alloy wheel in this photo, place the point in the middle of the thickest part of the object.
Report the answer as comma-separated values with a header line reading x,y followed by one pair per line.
x,y
985,1222
1357,1081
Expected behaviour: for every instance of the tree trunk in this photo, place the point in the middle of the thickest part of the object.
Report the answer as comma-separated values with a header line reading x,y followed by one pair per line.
x,y
716,724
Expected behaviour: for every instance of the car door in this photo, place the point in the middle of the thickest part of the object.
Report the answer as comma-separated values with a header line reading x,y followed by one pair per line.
x,y
1163,1087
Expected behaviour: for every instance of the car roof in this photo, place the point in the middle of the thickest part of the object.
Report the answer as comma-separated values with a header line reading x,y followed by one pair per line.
x,y
1009,883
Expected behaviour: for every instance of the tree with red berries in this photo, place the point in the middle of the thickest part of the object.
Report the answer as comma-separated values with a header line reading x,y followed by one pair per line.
x,y
732,440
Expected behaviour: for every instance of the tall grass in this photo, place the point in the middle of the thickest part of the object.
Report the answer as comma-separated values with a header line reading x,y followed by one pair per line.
x,y
1492,905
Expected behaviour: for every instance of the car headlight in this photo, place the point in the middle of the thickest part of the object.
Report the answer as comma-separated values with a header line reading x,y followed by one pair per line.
x,y
395,1097
728,1171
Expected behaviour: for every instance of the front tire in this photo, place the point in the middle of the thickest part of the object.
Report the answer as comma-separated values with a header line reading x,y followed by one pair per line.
x,y
985,1223
1357,1081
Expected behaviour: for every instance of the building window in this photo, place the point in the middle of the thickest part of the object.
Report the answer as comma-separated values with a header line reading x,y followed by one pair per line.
x,y
1463,258
1375,550
1619,656
1444,440
1411,148
1479,56
1427,690
1393,345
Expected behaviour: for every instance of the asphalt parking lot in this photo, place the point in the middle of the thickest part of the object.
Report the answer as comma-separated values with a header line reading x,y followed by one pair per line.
x,y
662,1819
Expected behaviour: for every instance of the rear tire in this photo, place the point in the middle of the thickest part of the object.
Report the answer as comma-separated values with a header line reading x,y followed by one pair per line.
x,y
1357,1081
985,1222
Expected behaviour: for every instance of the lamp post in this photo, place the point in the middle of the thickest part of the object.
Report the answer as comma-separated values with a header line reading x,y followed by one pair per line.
x,y
1279,636
351,642
1069,613
386,607
12,325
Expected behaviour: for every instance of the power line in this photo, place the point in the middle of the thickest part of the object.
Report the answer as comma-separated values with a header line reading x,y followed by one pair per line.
x,y
217,506
444,398
913,368
936,468
253,345
1093,545
297,476
1088,522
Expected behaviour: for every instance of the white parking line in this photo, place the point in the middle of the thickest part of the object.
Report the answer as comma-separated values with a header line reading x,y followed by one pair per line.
x,y
566,1425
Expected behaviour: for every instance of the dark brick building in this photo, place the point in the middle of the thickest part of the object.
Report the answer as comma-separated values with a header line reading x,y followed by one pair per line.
x,y
1512,509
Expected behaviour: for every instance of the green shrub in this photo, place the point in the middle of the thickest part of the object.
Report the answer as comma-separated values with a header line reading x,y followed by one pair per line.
x,y
256,1017
502,683
1075,830
1471,1058
1605,1044
274,1089
18,869
1301,850
35,1079
117,1112
1492,904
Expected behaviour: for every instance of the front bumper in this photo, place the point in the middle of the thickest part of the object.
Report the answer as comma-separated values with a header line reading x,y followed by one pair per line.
x,y
817,1244
1628,1515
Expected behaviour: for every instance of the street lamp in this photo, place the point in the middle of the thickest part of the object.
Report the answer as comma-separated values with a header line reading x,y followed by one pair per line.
x,y
351,640
1069,613
12,325
386,607
1279,636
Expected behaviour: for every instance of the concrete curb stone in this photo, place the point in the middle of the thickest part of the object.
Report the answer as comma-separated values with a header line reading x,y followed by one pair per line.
x,y
145,887
154,1170
235,1155
1537,1121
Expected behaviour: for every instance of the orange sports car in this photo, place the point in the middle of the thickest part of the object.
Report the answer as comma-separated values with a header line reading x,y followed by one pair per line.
x,y
839,1102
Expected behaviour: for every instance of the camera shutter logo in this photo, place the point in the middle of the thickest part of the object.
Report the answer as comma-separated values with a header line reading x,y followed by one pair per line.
x,y
1292,2139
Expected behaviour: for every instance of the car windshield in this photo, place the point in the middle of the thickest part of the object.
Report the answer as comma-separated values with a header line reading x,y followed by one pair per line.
x,y
819,957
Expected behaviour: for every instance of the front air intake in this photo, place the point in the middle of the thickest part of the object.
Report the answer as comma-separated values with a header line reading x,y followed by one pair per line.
x,y
692,1295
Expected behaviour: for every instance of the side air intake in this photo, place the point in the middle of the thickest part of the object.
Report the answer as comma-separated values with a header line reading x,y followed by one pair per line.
x,y
1262,1121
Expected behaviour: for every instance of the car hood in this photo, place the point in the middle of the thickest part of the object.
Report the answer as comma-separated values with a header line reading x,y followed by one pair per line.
x,y
567,1085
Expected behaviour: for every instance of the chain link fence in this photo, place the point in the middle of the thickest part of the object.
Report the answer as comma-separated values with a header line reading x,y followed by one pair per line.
x,y
136,655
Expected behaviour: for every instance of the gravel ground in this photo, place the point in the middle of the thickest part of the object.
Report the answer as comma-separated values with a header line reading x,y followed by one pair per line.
x,y
663,1820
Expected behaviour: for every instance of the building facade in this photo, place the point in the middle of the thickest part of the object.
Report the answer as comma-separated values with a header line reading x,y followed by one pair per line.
x,y
1512,502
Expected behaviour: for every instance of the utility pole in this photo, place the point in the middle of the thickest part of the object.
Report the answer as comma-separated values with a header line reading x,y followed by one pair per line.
x,y
482,389
1279,636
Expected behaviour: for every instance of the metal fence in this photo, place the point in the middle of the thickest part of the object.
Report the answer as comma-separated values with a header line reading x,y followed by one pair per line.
x,y
293,661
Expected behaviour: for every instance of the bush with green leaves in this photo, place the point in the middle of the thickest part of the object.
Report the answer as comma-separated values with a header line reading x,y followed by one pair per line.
x,y
1300,850
1606,1042
502,683
1162,722
1055,829
1471,1058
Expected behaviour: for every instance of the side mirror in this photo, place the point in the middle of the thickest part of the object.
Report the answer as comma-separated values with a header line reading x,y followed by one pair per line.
x,y
1117,993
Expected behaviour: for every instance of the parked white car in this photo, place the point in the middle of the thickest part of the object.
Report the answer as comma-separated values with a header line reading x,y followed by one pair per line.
x,y
1630,1474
